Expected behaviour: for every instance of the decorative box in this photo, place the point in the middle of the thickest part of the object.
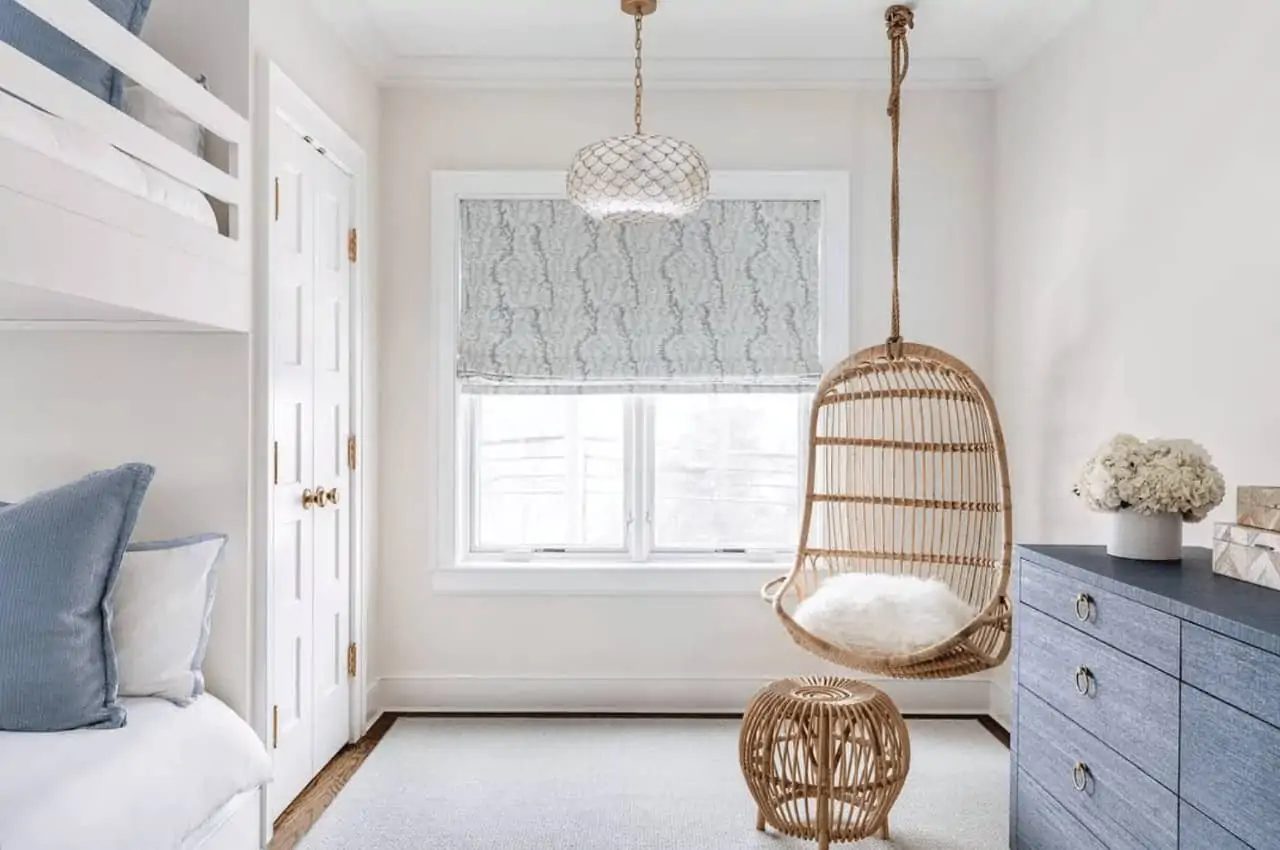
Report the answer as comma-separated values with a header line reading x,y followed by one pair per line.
x,y
1247,554
1258,507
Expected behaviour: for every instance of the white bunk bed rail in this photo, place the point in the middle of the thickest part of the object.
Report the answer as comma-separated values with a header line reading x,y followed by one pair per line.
x,y
128,260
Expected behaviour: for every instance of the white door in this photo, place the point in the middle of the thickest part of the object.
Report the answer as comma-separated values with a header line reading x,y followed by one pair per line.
x,y
310,302
331,425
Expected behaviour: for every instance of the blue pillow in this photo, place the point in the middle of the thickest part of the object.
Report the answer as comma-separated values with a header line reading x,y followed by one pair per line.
x,y
60,553
45,44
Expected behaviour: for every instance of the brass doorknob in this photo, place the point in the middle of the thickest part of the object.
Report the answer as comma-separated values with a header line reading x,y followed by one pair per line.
x,y
332,495
312,499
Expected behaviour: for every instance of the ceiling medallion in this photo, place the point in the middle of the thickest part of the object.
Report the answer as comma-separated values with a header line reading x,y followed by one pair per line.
x,y
639,177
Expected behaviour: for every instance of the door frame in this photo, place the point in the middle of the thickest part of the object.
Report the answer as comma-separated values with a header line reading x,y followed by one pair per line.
x,y
277,96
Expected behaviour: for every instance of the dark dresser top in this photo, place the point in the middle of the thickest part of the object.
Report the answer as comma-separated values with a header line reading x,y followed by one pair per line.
x,y
1188,589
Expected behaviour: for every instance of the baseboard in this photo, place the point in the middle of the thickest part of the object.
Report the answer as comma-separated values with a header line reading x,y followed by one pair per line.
x,y
641,695
372,703
1001,704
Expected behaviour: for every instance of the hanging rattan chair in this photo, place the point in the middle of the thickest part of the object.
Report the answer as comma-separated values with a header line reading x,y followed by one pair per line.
x,y
907,476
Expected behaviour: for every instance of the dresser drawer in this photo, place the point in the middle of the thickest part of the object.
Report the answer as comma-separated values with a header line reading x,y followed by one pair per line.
x,y
1043,824
1129,626
1200,833
1118,802
1234,672
1127,704
1230,762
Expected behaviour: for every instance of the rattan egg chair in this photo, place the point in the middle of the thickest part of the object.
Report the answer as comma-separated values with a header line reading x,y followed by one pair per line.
x,y
907,476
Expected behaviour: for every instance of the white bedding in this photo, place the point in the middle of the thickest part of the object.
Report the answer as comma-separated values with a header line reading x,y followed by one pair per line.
x,y
144,787
71,144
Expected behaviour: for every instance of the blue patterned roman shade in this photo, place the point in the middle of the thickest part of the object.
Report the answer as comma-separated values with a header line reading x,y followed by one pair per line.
x,y
552,301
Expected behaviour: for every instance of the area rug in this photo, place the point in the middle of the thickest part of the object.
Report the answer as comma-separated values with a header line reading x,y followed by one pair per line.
x,y
599,784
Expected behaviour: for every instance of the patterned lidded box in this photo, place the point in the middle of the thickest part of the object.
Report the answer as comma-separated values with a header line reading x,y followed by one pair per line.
x,y
1258,507
1247,554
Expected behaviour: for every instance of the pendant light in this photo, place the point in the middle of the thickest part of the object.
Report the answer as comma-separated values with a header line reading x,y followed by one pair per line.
x,y
639,177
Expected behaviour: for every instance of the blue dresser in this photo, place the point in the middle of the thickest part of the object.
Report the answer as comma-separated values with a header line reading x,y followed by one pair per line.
x,y
1146,705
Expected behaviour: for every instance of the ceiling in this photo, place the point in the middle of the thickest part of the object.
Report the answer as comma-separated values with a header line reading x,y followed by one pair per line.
x,y
691,42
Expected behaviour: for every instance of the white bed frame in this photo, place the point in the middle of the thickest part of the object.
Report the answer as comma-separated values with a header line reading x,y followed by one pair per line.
x,y
76,251
236,826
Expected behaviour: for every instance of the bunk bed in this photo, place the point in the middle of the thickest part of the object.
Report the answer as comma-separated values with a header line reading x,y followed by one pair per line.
x,y
108,224
105,219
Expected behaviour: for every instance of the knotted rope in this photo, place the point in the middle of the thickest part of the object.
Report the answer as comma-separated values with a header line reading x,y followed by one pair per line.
x,y
898,20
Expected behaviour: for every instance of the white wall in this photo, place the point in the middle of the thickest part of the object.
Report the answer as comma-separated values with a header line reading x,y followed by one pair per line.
x,y
293,36
205,38
1138,276
656,651
221,40
83,401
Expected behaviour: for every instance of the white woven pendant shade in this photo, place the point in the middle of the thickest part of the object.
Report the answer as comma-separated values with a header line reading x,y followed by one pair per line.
x,y
640,177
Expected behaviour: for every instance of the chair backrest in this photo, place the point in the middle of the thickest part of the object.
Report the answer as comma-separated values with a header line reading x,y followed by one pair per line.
x,y
907,475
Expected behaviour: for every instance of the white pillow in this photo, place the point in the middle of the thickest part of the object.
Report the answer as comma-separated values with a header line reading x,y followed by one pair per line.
x,y
160,612
883,613
155,112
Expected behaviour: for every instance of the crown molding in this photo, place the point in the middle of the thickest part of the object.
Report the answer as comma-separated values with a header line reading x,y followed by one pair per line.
x,y
507,73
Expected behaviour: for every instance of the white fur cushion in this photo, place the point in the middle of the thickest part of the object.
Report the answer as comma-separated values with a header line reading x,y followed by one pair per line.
x,y
883,613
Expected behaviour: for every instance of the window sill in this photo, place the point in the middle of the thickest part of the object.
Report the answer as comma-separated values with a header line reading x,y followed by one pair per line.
x,y
723,579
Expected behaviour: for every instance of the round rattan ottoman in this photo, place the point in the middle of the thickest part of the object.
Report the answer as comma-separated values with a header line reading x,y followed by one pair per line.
x,y
824,757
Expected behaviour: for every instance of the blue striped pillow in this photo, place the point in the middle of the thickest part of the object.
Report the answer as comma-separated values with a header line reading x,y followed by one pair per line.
x,y
30,34
60,553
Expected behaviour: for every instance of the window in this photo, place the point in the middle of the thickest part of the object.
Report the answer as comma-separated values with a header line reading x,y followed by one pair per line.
x,y
633,477
616,395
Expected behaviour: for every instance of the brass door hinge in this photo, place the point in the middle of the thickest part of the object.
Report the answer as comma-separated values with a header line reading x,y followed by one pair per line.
x,y
351,452
275,462
275,727
277,199
353,245
351,660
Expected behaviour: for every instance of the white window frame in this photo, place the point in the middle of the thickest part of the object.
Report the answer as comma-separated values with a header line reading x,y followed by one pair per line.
x,y
586,572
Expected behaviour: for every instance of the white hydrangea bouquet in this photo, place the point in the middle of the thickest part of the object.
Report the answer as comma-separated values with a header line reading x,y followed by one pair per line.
x,y
1153,486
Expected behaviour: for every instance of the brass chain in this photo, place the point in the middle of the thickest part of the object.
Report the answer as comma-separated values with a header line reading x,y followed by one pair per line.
x,y
639,71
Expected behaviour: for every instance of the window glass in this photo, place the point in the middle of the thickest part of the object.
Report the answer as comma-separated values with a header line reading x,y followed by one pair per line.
x,y
548,472
726,471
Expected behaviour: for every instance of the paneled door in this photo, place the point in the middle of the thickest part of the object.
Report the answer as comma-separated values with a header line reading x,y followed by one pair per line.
x,y
311,545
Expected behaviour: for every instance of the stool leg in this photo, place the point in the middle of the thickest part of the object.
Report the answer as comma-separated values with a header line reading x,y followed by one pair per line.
x,y
759,819
884,828
824,783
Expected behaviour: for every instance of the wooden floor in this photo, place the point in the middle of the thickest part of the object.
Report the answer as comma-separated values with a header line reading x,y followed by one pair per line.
x,y
295,821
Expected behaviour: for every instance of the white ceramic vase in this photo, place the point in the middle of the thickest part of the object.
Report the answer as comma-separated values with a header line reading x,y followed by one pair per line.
x,y
1146,537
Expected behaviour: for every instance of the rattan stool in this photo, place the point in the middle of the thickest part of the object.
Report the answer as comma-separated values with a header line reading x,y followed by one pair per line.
x,y
824,757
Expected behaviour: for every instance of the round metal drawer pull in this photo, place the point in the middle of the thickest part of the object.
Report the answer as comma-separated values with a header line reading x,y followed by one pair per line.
x,y
1084,680
1080,776
1084,607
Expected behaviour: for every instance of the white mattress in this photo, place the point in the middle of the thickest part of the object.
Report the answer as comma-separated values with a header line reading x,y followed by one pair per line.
x,y
148,785
71,144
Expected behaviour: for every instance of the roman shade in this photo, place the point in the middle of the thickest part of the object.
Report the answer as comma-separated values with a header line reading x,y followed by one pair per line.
x,y
551,301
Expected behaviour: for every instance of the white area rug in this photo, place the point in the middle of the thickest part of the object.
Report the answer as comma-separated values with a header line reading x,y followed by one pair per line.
x,y
503,784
